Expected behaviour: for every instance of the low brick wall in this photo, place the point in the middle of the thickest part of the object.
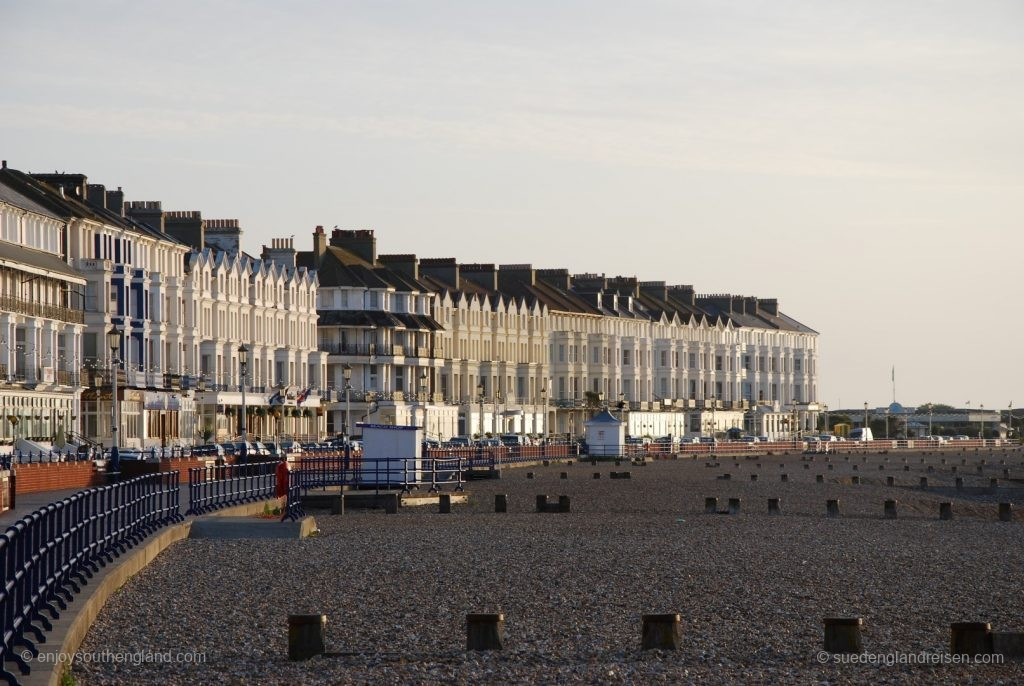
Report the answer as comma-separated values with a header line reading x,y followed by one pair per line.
x,y
56,476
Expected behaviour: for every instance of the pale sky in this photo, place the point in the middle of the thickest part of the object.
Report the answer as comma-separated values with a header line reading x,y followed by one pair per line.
x,y
863,162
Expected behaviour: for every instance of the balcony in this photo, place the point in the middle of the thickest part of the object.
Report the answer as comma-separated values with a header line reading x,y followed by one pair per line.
x,y
358,349
10,303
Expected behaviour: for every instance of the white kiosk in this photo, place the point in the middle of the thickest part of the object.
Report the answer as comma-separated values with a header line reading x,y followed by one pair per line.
x,y
391,454
605,435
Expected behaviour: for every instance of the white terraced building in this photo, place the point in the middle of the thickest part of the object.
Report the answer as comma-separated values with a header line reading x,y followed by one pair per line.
x,y
41,322
547,348
233,300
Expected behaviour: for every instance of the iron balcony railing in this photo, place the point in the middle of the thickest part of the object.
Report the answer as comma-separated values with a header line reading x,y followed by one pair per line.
x,y
10,303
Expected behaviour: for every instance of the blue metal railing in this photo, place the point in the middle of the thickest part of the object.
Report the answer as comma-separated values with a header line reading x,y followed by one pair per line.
x,y
211,488
386,473
46,555
293,510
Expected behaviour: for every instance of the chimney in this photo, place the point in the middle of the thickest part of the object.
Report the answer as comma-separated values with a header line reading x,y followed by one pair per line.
x,y
739,304
148,212
115,201
720,301
769,305
444,269
281,252
319,244
589,282
625,285
559,278
4,163
483,275
684,294
187,226
657,289
96,194
516,273
74,185
360,243
224,235
403,264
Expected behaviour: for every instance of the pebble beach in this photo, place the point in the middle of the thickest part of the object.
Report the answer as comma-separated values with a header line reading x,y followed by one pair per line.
x,y
751,588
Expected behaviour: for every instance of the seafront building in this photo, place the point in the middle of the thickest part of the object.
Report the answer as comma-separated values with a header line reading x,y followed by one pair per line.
x,y
513,349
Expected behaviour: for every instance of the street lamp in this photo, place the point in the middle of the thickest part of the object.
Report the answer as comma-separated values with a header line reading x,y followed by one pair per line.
x,y
424,387
114,343
243,363
499,422
982,434
865,420
544,402
480,396
346,374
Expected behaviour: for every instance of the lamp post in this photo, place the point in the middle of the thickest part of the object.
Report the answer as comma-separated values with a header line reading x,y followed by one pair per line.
x,y
243,363
865,420
887,423
480,396
424,387
982,434
114,343
499,421
544,402
931,412
346,374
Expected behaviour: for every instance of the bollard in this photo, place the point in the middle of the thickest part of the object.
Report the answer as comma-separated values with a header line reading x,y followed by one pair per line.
x,y
842,635
832,508
830,468
1005,512
660,632
970,638
854,467
1006,473
890,509
785,477
953,469
943,460
563,503
807,466
758,465
306,636
946,511
565,475
338,505
597,475
906,467
753,477
734,505
726,476
542,503
924,482
529,475
773,506
981,470
993,482
820,478
501,502
710,505
391,503
881,467
546,463
485,631
855,480
890,481
959,483
931,469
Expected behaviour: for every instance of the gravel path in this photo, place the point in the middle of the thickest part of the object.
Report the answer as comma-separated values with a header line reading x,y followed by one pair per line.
x,y
752,589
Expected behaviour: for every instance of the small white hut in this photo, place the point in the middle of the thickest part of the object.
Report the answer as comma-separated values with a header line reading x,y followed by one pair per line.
x,y
605,434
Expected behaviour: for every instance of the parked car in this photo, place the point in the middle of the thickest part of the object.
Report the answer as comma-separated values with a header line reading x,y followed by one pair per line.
x,y
513,439
827,438
458,442
748,439
274,450
208,450
261,449
861,434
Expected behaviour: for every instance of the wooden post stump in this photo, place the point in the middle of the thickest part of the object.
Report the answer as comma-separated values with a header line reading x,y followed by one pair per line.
x,y
890,481
542,503
959,483
391,503
970,638
924,482
306,636
444,503
485,631
564,475
734,505
529,475
945,510
753,477
993,482
855,480
842,635
820,478
597,475
773,506
661,632
785,477
832,508
890,509
1005,512
710,505
563,503
501,502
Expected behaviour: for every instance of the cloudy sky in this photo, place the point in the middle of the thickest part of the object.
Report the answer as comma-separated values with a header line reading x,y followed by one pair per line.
x,y
860,161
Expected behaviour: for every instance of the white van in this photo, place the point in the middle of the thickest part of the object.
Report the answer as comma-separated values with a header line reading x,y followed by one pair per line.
x,y
861,434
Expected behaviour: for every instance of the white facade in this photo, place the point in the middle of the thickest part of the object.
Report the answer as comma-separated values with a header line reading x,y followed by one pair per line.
x,y
41,325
